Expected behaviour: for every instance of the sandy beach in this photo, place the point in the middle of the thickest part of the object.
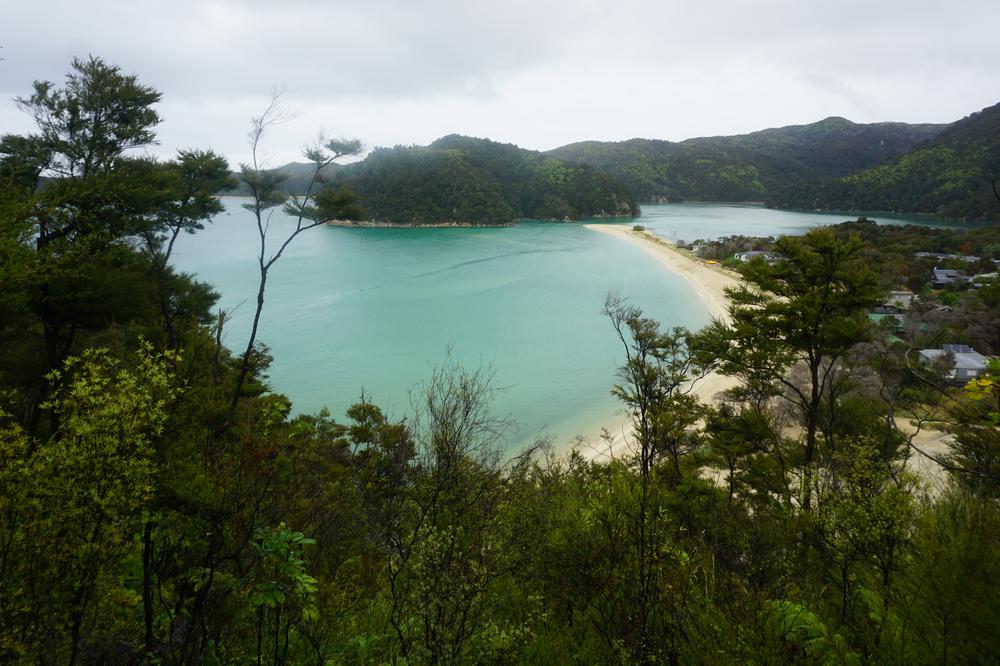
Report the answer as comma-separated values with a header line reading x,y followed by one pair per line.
x,y
708,283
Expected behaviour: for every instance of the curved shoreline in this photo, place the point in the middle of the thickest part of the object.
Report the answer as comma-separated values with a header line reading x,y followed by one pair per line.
x,y
708,283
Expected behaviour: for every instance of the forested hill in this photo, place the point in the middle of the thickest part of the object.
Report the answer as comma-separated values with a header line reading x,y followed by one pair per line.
x,y
749,167
949,176
464,180
297,177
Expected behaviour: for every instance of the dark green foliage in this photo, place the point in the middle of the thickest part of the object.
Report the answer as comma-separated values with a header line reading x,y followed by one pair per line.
x,y
951,614
950,176
172,511
98,115
751,167
463,180
806,310
426,186
74,201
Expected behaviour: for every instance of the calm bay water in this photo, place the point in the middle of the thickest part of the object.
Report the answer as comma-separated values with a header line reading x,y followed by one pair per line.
x,y
376,309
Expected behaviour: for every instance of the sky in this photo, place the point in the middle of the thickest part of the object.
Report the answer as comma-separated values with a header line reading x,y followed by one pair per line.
x,y
536,73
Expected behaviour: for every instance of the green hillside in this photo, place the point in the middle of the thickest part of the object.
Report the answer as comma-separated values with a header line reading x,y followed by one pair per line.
x,y
750,167
465,180
297,177
948,176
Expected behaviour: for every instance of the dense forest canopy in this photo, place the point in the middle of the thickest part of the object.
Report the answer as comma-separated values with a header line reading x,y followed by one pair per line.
x,y
466,180
953,175
833,164
159,505
747,167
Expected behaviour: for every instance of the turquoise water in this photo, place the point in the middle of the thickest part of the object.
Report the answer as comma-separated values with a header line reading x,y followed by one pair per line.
x,y
375,310
690,222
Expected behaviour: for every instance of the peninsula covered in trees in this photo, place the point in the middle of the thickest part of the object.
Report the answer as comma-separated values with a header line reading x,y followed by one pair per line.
x,y
460,180
159,505
464,179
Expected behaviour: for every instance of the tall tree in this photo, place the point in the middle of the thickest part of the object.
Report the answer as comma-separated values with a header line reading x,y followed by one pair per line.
x,y
655,388
77,193
319,204
192,183
805,311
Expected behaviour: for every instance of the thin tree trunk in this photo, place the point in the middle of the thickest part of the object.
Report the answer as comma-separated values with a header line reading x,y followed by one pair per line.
x,y
147,585
812,413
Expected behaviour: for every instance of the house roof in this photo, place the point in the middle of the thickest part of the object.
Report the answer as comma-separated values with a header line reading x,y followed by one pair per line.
x,y
945,255
966,358
752,254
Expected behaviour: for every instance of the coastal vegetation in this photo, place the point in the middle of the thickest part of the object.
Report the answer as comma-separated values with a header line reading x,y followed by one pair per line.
x,y
903,258
459,179
158,504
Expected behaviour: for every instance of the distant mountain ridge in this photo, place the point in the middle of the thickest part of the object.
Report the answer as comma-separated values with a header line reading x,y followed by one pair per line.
x,y
949,175
748,167
832,164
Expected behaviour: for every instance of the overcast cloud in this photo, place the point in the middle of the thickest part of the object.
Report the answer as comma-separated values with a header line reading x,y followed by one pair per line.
x,y
535,73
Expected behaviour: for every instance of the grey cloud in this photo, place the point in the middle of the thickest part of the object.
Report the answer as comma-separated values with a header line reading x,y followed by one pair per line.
x,y
382,49
535,72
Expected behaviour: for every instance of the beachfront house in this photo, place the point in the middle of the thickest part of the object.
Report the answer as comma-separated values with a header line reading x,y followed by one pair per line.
x,y
895,322
769,257
966,362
